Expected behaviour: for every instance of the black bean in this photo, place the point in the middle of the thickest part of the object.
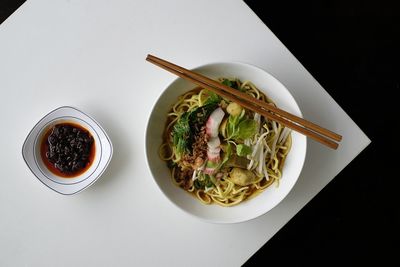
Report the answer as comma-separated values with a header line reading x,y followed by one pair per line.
x,y
69,148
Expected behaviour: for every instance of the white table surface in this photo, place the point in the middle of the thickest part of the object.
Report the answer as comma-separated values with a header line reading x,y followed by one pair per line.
x,y
91,54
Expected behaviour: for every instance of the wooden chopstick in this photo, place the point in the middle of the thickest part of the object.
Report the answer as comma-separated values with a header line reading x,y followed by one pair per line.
x,y
245,96
287,119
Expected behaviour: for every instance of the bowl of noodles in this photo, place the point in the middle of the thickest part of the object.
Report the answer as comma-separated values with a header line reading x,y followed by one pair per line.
x,y
216,160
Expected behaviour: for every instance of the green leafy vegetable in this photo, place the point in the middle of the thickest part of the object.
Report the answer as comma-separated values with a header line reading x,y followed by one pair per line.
x,y
246,129
181,134
209,182
213,181
240,128
213,98
199,116
231,83
242,150
204,181
232,125
228,83
198,184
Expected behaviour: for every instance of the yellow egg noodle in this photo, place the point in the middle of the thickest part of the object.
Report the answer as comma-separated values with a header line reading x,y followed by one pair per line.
x,y
268,148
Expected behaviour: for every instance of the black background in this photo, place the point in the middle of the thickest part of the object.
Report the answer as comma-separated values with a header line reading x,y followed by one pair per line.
x,y
352,49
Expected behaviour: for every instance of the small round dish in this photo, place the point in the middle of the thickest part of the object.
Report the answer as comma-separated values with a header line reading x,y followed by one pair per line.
x,y
248,209
67,186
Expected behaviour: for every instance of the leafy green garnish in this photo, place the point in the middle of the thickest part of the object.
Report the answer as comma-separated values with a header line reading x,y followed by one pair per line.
x,y
181,134
232,83
213,98
209,182
204,181
242,150
212,181
198,184
246,129
240,128
231,127
199,116
227,83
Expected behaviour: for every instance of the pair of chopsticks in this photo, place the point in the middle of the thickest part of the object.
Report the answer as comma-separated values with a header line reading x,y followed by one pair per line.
x,y
285,118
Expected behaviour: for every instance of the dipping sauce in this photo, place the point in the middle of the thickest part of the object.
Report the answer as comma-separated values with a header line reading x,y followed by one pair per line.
x,y
67,149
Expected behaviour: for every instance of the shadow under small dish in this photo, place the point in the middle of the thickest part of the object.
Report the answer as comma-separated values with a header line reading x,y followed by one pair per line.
x,y
67,150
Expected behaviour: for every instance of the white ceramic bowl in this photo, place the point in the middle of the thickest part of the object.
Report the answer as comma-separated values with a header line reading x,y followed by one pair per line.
x,y
248,209
67,186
